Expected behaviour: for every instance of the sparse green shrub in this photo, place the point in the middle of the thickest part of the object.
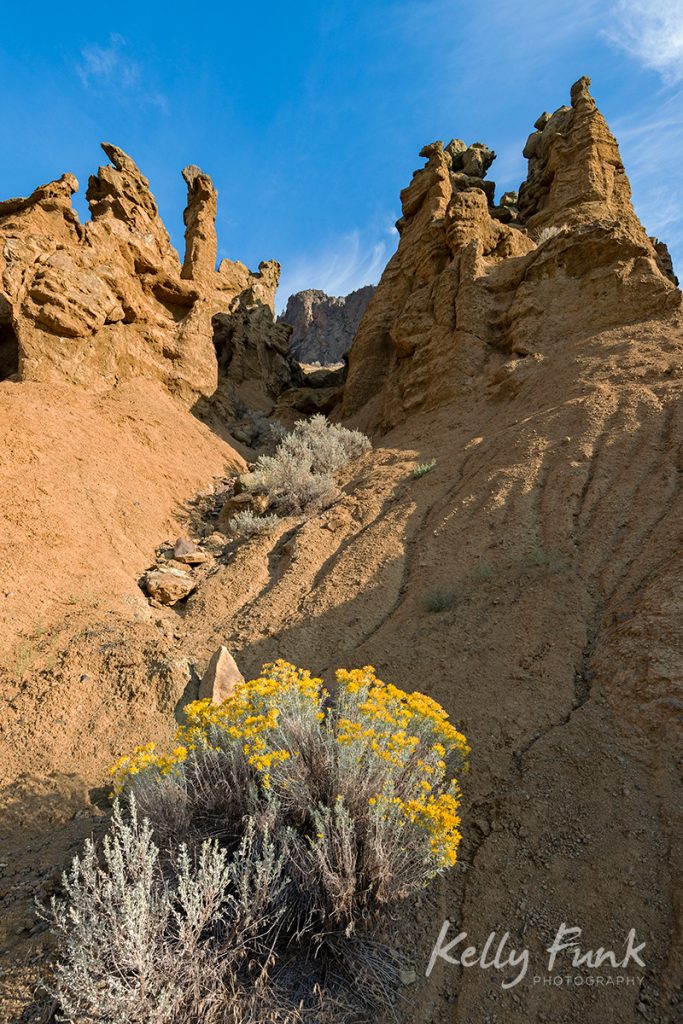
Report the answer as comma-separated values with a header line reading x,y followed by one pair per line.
x,y
17,661
299,475
245,880
481,573
441,600
248,524
546,559
423,468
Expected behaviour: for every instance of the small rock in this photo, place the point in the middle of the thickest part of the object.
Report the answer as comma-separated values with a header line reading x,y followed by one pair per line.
x,y
183,546
221,677
197,557
408,977
168,586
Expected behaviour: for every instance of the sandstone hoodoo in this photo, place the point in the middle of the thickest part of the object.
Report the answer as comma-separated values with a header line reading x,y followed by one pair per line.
x,y
475,285
324,325
98,303
491,516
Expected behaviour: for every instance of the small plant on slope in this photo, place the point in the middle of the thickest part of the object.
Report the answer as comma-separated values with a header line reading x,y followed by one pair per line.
x,y
300,474
441,600
423,469
245,871
550,232
248,524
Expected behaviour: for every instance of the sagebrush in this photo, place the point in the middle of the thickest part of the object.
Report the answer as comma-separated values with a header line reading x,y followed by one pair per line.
x,y
249,524
247,870
300,474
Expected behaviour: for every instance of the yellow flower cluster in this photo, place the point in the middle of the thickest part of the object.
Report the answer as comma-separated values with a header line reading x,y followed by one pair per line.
x,y
439,815
145,757
386,744
407,717
396,725
248,715
375,721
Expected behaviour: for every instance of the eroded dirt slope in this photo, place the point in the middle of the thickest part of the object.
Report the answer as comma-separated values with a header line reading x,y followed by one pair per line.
x,y
88,484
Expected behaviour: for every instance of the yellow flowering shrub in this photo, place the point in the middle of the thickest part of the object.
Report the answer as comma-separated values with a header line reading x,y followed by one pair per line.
x,y
249,717
411,734
287,812
400,744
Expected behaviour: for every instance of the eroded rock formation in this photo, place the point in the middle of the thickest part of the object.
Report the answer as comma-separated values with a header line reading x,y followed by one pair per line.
x,y
324,325
475,285
540,343
97,303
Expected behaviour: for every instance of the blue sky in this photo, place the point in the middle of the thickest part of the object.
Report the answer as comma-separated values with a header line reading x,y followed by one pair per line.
x,y
310,115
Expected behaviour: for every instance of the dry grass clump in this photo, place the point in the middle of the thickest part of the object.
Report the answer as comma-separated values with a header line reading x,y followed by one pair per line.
x,y
550,232
248,524
245,872
300,475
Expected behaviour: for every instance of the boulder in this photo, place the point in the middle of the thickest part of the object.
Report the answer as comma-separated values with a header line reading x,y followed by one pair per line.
x,y
509,199
168,586
183,546
186,552
326,377
310,401
221,677
477,159
455,151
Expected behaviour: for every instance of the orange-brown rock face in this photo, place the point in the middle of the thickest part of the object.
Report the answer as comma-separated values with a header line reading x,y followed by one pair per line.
x,y
97,303
477,288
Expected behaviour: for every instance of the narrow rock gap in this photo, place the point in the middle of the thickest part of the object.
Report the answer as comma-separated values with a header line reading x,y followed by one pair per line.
x,y
9,351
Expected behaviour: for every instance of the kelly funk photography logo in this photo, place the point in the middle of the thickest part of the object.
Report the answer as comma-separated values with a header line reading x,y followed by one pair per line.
x,y
564,962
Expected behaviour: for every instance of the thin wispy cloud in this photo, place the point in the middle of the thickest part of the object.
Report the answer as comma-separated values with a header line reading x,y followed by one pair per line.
x,y
112,68
340,267
463,40
647,144
651,31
